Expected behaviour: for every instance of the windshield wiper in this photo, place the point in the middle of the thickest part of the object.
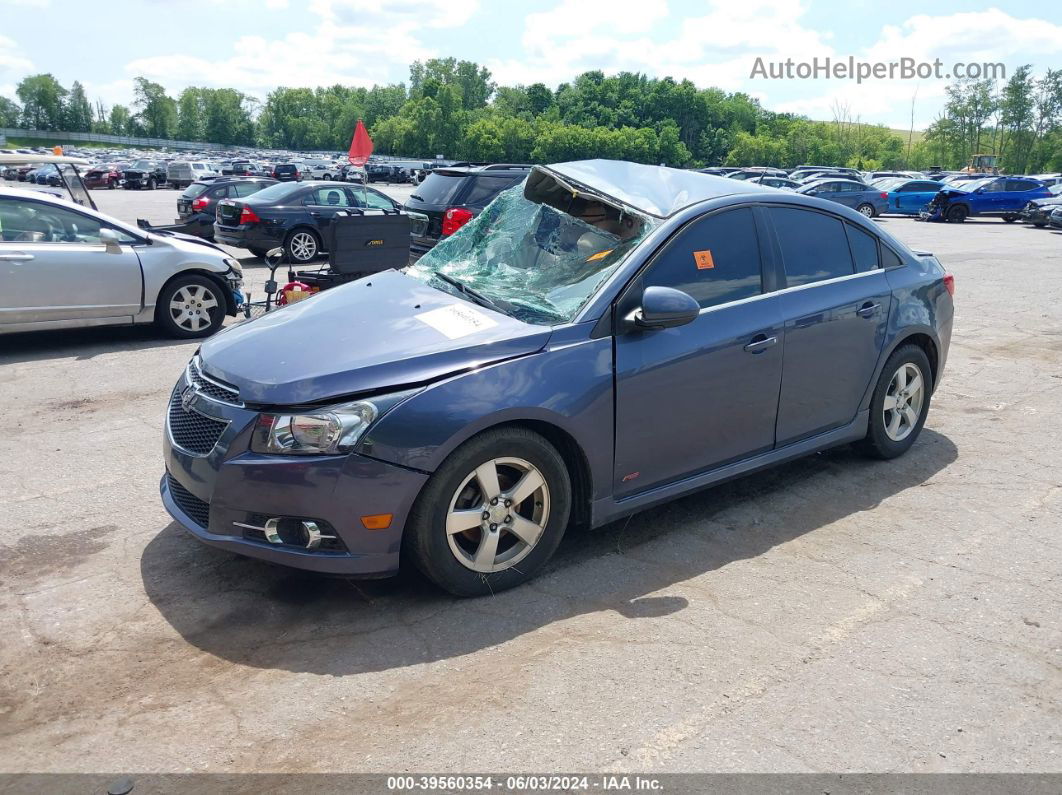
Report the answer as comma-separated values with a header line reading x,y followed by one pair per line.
x,y
476,296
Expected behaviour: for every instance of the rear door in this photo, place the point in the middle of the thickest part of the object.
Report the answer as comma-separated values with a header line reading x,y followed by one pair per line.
x,y
54,267
323,204
696,397
835,306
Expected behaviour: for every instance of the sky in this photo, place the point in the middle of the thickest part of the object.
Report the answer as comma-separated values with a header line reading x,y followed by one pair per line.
x,y
258,45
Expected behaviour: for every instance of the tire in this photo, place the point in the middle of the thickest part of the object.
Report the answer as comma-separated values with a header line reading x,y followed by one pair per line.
x,y
259,252
111,184
1039,224
326,177
958,214
301,246
891,432
485,556
176,310
1009,219
151,183
867,210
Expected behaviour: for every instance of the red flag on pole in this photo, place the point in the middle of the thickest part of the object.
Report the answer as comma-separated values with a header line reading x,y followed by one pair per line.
x,y
360,146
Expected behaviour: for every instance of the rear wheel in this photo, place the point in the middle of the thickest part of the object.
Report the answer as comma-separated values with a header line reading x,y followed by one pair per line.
x,y
492,515
302,246
1010,218
866,209
190,306
151,183
327,176
900,403
958,214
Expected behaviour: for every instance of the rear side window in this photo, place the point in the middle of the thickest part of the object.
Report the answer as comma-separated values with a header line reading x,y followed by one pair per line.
x,y
864,249
437,189
242,189
484,189
195,189
889,258
715,260
1019,184
814,246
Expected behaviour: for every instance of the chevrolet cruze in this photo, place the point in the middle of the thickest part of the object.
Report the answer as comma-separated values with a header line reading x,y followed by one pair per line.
x,y
602,338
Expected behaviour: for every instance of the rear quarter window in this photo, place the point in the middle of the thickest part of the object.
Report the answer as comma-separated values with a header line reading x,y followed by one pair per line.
x,y
195,189
814,246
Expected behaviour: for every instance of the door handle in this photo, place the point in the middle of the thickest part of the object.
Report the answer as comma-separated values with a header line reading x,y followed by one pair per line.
x,y
16,257
868,310
760,343
314,215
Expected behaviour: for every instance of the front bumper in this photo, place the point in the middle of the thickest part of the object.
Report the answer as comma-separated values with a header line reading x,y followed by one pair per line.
x,y
215,494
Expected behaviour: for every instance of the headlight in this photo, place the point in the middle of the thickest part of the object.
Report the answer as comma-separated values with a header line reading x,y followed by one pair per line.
x,y
234,264
332,430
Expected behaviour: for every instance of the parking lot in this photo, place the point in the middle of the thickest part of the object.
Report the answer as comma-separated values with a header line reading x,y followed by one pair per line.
x,y
833,614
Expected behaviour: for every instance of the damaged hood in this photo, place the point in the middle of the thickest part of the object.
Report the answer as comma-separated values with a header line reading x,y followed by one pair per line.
x,y
655,190
383,331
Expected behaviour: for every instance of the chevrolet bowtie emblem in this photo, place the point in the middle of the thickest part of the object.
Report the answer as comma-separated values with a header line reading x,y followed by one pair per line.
x,y
188,397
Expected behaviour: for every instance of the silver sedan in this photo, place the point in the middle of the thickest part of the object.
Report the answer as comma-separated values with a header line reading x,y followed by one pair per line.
x,y
64,266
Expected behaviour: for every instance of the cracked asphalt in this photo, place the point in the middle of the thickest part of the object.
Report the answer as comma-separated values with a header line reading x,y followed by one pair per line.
x,y
834,614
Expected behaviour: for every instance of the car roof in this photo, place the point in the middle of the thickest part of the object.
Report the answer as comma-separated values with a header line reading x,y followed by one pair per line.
x,y
39,159
655,190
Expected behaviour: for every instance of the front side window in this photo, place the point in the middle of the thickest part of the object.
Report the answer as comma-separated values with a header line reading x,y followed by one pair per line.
x,y
814,246
36,222
328,197
995,186
374,200
715,259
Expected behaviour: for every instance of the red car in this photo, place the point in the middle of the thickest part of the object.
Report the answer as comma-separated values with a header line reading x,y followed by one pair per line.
x,y
106,176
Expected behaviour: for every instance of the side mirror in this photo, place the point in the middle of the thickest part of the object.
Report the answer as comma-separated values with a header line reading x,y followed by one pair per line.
x,y
109,238
665,307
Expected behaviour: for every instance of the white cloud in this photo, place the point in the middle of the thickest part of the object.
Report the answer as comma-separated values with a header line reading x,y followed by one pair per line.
x,y
13,66
343,45
720,47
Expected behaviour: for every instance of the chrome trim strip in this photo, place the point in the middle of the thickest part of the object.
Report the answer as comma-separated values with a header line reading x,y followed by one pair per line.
x,y
794,288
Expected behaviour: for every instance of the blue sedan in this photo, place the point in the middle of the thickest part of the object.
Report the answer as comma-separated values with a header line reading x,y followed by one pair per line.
x,y
603,338
911,196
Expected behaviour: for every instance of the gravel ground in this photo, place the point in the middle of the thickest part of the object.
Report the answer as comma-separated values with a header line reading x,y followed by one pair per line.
x,y
834,614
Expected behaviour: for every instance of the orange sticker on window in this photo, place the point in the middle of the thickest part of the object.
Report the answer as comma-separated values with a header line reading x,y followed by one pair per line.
x,y
599,255
703,259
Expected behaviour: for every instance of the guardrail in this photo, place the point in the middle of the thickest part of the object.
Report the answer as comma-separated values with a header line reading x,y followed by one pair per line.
x,y
60,138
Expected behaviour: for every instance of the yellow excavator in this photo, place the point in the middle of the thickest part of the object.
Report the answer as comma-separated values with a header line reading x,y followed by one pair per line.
x,y
983,164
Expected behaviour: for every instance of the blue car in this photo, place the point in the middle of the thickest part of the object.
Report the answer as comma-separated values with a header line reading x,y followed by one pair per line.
x,y
909,197
602,338
863,198
1004,197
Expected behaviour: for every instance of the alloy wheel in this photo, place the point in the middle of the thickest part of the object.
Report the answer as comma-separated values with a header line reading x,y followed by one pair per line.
x,y
192,307
303,246
866,210
903,402
497,515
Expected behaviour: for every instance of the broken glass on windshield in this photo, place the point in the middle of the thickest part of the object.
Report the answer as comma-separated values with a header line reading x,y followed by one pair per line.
x,y
534,261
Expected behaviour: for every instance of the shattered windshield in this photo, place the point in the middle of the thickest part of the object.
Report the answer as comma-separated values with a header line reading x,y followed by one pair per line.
x,y
533,261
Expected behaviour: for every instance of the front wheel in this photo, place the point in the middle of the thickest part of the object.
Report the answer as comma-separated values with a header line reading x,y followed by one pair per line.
x,y
866,209
1009,219
302,246
111,184
900,403
957,214
190,306
492,515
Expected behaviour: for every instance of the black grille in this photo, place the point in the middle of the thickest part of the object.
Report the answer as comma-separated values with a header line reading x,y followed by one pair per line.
x,y
211,388
191,430
197,510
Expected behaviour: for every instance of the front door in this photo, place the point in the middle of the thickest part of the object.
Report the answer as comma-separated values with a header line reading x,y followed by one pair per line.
x,y
692,398
54,267
323,204
836,309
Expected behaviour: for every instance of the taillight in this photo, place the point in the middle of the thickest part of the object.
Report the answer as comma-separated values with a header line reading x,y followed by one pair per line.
x,y
200,204
248,216
884,195
454,219
949,283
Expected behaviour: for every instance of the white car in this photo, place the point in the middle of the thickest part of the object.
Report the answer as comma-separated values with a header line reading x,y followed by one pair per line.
x,y
321,170
65,266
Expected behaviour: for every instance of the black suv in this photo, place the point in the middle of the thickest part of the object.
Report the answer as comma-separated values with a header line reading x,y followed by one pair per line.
x,y
451,197
145,174
287,172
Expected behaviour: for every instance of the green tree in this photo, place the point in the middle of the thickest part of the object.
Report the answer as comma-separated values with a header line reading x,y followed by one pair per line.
x,y
120,121
42,102
77,113
157,111
10,113
190,111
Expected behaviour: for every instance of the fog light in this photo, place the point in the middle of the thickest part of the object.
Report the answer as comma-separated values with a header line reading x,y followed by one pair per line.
x,y
305,533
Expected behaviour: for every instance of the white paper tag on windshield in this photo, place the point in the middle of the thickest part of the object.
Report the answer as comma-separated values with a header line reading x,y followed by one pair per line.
x,y
457,320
